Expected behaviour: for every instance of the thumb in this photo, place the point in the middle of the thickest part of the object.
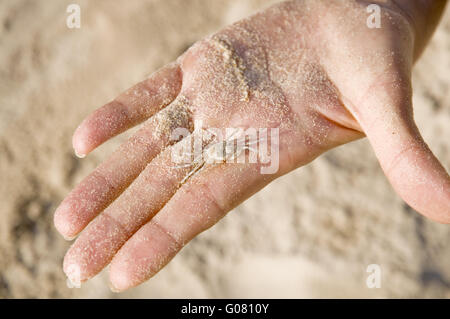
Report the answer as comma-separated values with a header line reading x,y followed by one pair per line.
x,y
386,117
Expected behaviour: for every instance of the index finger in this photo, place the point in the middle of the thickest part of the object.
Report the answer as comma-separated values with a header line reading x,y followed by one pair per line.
x,y
129,109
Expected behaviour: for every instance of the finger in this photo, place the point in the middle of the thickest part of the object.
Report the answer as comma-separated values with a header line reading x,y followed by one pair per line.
x,y
413,170
198,205
96,246
129,109
108,181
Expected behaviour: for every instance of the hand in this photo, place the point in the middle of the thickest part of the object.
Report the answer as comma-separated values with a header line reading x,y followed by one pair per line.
x,y
312,69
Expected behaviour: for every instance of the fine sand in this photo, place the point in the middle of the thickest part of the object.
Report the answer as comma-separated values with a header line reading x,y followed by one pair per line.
x,y
311,233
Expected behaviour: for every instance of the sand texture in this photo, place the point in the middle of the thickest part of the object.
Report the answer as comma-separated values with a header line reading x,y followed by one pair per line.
x,y
311,233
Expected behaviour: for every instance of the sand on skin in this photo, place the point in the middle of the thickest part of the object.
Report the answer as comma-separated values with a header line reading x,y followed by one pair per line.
x,y
311,233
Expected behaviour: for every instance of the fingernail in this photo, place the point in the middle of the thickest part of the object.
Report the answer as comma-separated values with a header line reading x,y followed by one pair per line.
x,y
69,238
70,284
80,155
73,274
113,289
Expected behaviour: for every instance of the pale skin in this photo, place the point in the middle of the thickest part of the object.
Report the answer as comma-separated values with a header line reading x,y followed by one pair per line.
x,y
313,69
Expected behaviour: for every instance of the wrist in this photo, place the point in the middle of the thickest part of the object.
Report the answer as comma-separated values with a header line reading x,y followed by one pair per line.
x,y
424,16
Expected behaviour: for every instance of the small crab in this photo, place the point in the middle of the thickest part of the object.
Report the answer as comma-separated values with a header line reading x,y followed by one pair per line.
x,y
222,151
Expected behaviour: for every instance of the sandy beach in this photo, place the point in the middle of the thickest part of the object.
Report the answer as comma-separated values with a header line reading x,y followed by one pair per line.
x,y
309,234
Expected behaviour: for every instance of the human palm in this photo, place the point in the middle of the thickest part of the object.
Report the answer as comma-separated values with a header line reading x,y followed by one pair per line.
x,y
299,67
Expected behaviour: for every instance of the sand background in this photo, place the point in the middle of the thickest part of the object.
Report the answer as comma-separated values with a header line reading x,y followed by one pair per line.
x,y
311,233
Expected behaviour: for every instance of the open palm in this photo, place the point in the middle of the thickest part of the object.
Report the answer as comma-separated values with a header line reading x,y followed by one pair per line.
x,y
311,69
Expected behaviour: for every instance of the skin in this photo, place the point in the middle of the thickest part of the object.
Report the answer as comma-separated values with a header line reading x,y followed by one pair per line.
x,y
298,66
